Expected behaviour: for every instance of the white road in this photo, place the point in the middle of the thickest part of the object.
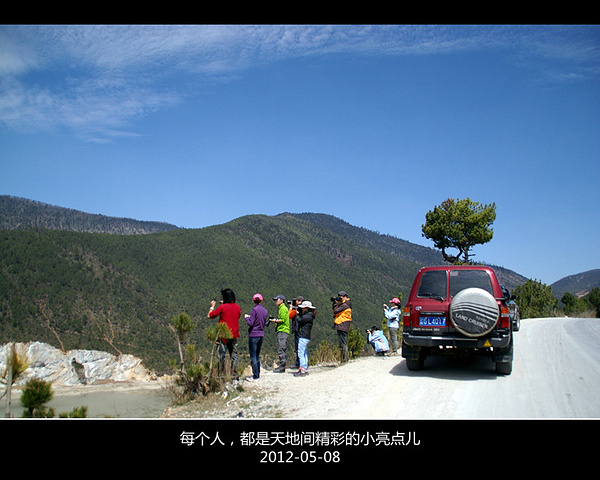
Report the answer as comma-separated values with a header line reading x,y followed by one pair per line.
x,y
556,375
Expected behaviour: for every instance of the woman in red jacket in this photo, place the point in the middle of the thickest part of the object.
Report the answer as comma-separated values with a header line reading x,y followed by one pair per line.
x,y
229,313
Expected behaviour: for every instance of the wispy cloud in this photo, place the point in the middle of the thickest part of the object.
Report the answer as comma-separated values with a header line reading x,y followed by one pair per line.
x,y
95,80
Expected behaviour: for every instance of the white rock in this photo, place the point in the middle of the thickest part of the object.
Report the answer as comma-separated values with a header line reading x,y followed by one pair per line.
x,y
52,365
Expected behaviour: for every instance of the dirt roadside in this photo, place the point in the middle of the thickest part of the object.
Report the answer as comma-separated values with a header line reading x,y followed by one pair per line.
x,y
321,394
448,388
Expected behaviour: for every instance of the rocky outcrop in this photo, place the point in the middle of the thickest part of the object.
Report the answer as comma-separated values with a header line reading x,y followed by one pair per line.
x,y
76,367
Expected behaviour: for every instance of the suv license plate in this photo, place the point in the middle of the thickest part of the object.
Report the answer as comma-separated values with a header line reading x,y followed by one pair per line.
x,y
432,321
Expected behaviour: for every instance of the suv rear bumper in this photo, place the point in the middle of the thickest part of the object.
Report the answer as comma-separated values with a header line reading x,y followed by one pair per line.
x,y
499,340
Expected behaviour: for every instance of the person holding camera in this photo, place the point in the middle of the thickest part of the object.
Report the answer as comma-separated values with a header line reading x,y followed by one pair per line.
x,y
256,322
378,341
392,315
304,323
283,330
228,313
342,320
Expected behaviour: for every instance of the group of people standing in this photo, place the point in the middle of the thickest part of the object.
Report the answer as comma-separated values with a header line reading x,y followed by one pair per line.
x,y
296,319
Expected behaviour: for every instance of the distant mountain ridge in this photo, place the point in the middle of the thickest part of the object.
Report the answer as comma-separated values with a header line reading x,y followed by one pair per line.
x,y
579,284
21,213
380,242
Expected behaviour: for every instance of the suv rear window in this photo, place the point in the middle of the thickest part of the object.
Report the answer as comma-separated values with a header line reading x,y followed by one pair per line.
x,y
461,279
433,282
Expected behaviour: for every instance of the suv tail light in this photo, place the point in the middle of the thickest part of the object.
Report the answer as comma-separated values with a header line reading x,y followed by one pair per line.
x,y
407,316
504,317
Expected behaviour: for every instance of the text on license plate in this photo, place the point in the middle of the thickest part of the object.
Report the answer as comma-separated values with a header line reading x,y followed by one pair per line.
x,y
432,321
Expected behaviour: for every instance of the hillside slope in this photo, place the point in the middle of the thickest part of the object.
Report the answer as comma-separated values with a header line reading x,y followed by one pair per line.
x,y
387,244
579,284
118,293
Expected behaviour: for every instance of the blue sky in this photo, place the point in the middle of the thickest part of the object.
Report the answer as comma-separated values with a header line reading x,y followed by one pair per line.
x,y
197,125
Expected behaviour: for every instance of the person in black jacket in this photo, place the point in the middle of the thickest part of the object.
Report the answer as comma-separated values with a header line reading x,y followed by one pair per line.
x,y
342,320
304,323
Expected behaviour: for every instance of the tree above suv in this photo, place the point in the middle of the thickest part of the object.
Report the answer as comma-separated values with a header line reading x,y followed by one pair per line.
x,y
459,224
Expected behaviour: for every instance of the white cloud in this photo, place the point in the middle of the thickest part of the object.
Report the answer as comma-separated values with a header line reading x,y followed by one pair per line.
x,y
100,78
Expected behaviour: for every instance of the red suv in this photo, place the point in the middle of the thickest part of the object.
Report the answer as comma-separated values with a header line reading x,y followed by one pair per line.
x,y
453,310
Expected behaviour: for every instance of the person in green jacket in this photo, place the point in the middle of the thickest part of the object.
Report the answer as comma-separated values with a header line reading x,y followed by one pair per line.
x,y
282,322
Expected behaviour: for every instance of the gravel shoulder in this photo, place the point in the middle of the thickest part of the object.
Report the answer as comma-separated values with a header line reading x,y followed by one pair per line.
x,y
556,374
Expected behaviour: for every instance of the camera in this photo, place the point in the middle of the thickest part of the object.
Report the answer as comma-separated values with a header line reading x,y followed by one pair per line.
x,y
335,299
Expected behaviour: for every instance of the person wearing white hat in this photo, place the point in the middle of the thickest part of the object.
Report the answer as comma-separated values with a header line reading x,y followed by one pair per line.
x,y
304,323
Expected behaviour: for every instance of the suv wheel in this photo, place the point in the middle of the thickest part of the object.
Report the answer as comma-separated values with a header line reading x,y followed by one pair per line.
x,y
415,357
504,368
474,312
414,365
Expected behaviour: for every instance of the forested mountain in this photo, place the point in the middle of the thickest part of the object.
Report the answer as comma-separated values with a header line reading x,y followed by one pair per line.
x,y
20,213
118,293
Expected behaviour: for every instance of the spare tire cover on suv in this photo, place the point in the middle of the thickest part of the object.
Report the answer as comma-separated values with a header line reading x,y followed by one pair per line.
x,y
474,312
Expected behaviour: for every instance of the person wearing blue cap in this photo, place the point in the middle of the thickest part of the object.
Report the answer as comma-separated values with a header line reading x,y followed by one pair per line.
x,y
283,331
